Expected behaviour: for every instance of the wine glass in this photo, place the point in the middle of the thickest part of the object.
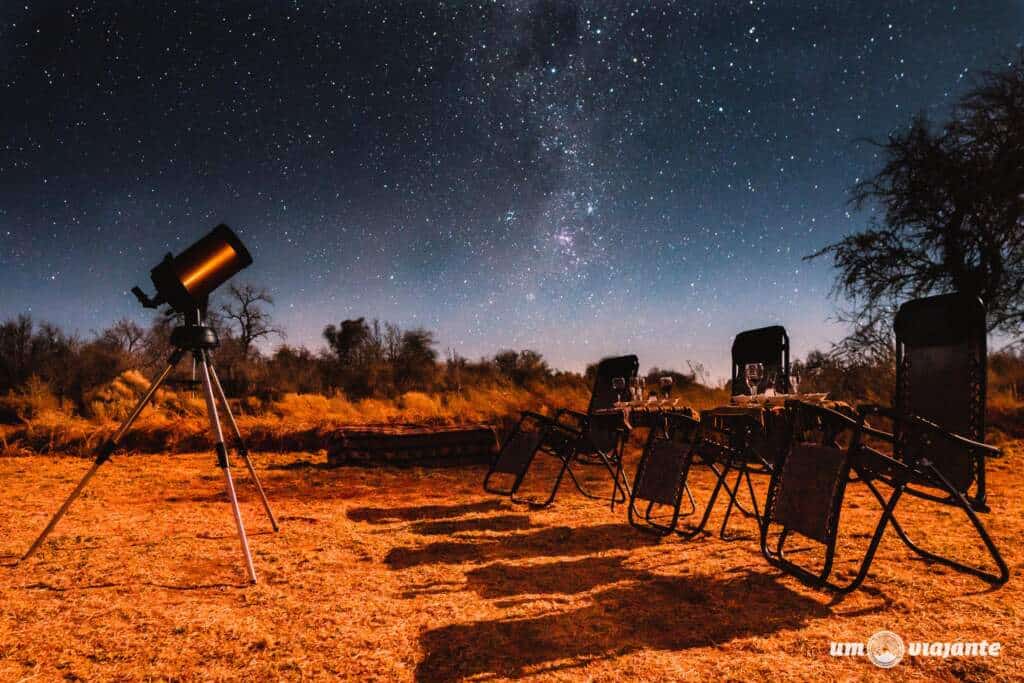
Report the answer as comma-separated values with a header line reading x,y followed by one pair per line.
x,y
770,383
642,384
754,373
794,383
618,384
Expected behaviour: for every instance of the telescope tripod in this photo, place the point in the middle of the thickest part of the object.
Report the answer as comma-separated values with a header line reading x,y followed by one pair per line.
x,y
199,340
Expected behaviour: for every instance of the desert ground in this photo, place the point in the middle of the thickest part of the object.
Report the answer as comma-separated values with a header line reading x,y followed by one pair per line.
x,y
416,574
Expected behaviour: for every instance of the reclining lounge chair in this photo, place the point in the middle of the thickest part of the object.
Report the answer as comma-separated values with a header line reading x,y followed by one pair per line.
x,y
936,449
572,437
723,444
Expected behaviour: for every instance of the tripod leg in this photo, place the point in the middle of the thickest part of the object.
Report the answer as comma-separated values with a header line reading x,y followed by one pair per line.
x,y
103,453
243,450
222,460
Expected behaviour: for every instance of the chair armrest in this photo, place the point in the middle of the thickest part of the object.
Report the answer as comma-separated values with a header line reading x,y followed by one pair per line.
x,y
550,421
836,417
916,420
682,418
582,419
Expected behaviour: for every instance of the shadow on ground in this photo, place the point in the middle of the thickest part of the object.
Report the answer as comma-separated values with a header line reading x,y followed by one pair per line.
x,y
549,542
421,512
660,613
477,524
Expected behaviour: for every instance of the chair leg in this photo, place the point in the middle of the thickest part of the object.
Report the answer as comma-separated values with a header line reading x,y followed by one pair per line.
x,y
554,489
732,502
649,525
689,495
580,487
746,513
721,476
820,579
995,579
753,498
777,558
735,501
876,539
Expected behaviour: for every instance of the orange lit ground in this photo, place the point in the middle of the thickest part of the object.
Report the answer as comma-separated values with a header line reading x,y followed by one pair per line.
x,y
416,575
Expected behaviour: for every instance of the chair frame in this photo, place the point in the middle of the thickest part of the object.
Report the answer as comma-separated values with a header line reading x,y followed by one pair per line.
x,y
583,424
725,448
554,439
869,465
646,522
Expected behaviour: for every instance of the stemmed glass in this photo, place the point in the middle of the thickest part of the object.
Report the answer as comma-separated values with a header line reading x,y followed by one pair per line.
x,y
754,373
618,384
794,383
642,383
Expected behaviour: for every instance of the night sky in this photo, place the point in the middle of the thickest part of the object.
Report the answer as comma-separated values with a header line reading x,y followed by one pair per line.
x,y
577,178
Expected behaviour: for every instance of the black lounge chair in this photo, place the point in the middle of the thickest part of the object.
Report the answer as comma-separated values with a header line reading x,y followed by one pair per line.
x,y
768,346
660,481
937,446
729,445
602,438
533,434
736,444
573,437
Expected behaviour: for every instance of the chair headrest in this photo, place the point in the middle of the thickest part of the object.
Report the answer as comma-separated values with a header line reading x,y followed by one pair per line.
x,y
618,366
763,345
940,320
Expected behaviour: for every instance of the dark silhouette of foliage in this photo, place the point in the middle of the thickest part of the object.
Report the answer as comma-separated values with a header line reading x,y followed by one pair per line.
x,y
126,335
522,367
246,316
950,216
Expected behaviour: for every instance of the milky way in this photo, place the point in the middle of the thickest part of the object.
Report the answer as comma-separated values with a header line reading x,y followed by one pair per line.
x,y
578,178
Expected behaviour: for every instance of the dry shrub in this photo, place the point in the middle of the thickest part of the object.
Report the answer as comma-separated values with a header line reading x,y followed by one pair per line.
x,y
419,407
700,397
30,403
57,431
373,410
252,405
311,409
181,403
115,399
301,407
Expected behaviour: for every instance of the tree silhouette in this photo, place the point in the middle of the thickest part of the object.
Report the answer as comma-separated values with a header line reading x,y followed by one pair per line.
x,y
950,204
246,316
125,334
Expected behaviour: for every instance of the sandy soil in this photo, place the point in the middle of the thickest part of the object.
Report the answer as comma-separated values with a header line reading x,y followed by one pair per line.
x,y
413,574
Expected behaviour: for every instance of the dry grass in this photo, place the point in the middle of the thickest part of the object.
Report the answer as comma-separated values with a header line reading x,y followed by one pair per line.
x,y
414,574
177,421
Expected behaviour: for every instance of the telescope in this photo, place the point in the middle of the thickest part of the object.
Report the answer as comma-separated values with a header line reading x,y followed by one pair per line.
x,y
185,282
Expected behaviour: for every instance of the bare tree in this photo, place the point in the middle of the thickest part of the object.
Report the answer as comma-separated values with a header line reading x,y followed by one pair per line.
x,y
247,317
125,334
951,215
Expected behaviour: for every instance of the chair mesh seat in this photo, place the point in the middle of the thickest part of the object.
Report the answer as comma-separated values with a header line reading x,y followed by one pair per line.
x,y
663,471
517,453
811,479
